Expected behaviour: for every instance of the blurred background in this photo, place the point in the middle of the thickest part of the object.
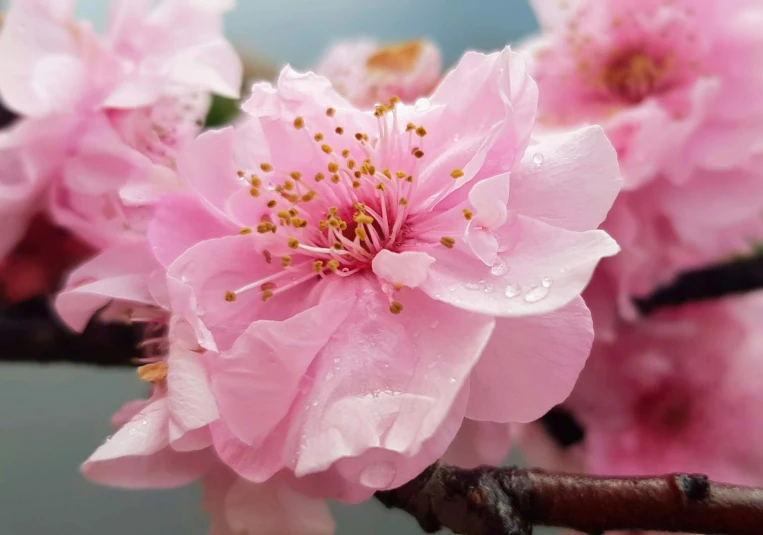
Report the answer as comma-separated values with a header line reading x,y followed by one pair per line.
x,y
51,418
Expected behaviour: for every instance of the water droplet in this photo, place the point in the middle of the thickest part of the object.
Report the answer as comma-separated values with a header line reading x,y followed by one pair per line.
x,y
422,104
538,159
472,286
536,294
500,267
144,421
513,290
378,475
452,380
434,324
547,282
489,289
108,438
329,376
336,360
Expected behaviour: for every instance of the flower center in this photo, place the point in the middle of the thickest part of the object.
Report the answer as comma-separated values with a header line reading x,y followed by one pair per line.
x,y
333,218
633,76
396,58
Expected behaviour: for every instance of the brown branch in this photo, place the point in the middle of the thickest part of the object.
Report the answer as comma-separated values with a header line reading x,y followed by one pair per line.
x,y
509,501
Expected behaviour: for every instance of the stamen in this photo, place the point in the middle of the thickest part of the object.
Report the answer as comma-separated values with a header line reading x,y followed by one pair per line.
x,y
456,173
299,123
266,167
230,296
448,242
245,230
318,137
330,112
285,260
293,243
468,214
154,372
396,307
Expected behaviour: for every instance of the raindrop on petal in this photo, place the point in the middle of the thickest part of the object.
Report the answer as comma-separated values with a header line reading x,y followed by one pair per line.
x,y
536,294
513,290
538,159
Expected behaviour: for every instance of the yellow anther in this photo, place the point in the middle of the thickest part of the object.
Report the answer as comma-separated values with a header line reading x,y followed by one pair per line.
x,y
468,214
418,153
371,170
396,307
230,296
400,174
342,226
333,210
380,187
357,174
240,173
334,222
298,222
359,136
299,123
318,137
330,112
409,178
335,178
403,201
309,196
245,230
356,184
318,266
448,242
345,153
296,175
327,148
364,219
410,127
421,131
267,294
323,225
351,164
286,260
255,181
361,233
338,246
268,286
288,185
359,206
293,212
262,228
333,167
387,173
154,372
283,214
272,203
380,110
266,167
339,130
456,173
254,192
319,177
293,243
394,100
333,265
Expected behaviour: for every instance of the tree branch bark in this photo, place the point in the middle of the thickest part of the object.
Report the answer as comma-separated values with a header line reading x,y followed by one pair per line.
x,y
509,501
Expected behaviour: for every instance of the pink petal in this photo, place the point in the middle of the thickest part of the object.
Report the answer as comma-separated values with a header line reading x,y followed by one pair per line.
x,y
547,269
531,364
489,198
402,269
118,273
138,456
180,222
256,382
479,443
567,180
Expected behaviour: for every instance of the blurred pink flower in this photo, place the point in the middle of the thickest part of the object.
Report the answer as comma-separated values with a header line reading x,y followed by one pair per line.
x,y
102,118
673,84
367,73
676,392
345,270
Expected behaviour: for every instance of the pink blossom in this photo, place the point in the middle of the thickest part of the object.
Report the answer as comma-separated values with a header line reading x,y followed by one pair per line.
x,y
115,109
672,84
356,278
677,392
367,73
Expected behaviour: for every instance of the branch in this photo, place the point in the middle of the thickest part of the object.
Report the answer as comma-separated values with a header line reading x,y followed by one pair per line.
x,y
509,501
733,278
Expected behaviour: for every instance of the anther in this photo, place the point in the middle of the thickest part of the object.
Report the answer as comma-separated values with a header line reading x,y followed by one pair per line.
x,y
318,137
339,130
267,294
396,307
326,148
361,233
286,260
335,178
245,230
154,372
364,219
448,242
254,192
419,153
318,266
272,203
255,181
296,175
333,167
299,123
456,173
288,185
400,174
319,177
403,201
293,243
345,153
410,127
333,265
330,112
240,174
421,131
468,214
230,296
266,167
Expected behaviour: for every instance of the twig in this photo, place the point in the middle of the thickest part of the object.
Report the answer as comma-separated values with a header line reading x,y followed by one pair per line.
x,y
508,501
737,277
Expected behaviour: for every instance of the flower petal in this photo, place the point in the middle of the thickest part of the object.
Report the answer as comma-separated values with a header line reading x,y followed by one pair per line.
x,y
402,269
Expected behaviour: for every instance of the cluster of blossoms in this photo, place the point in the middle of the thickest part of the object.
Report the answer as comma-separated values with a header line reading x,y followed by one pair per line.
x,y
379,265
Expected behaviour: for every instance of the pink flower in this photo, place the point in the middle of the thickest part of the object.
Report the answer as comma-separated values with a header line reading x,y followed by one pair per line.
x,y
367,73
357,277
677,392
115,109
671,83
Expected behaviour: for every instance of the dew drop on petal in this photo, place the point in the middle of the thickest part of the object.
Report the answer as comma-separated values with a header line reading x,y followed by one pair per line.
x,y
536,294
489,289
329,376
144,421
452,380
499,267
513,290
547,282
472,286
538,159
